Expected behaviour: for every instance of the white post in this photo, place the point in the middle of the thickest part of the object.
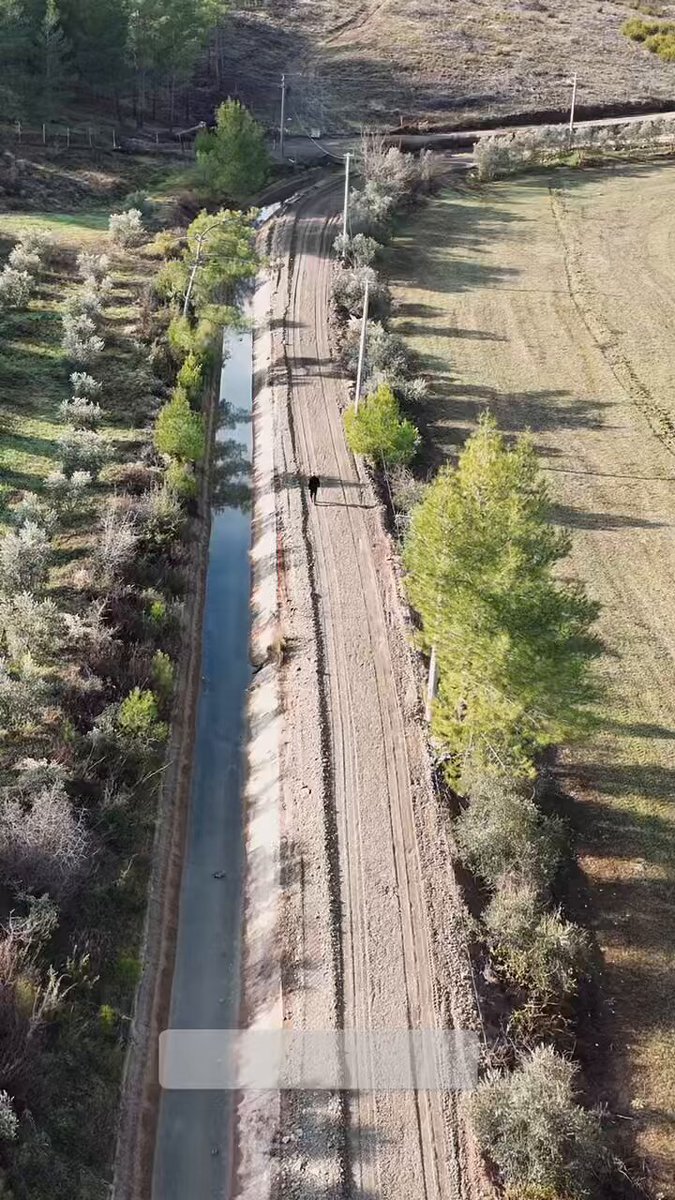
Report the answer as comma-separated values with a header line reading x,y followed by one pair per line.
x,y
432,683
283,116
345,210
574,101
362,349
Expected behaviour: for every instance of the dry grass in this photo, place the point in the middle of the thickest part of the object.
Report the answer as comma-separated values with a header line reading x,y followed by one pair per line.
x,y
551,300
443,60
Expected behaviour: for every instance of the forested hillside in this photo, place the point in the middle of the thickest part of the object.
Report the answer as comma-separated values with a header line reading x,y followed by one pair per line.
x,y
135,59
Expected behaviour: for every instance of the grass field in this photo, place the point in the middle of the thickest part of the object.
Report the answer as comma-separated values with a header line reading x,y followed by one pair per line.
x,y
34,373
552,301
380,61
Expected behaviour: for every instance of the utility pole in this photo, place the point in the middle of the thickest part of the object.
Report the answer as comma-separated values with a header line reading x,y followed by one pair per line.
x,y
362,348
432,683
574,101
283,116
345,211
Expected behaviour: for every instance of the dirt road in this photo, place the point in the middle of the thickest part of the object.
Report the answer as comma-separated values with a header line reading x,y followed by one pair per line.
x,y
361,826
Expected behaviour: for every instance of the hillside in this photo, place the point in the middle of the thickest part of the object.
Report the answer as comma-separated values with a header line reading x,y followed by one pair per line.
x,y
443,61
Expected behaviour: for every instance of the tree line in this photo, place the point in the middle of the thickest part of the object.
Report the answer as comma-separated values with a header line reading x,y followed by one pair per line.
x,y
141,53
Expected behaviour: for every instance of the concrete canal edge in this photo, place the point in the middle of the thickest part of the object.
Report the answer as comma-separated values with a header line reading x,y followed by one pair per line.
x,y
258,1112
140,1093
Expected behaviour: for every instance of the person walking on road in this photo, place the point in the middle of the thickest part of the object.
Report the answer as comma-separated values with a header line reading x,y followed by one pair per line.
x,y
314,485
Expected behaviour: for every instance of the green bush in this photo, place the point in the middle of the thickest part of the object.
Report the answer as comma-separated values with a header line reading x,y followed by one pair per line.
x,y
157,612
379,432
138,719
191,377
503,833
542,1141
180,479
538,949
179,431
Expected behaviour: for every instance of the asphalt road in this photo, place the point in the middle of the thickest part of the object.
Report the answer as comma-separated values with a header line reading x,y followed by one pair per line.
x,y
193,1146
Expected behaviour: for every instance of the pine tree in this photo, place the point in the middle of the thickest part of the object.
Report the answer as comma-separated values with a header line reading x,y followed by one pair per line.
x,y
514,643
232,161
379,432
54,52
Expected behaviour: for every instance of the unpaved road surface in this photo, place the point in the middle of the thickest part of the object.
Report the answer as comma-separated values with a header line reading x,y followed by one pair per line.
x,y
374,938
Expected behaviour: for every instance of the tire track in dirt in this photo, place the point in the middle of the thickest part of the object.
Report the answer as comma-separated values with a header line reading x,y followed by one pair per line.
x,y
415,1141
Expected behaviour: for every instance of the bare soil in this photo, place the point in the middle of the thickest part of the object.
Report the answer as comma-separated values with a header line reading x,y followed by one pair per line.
x,y
550,300
380,62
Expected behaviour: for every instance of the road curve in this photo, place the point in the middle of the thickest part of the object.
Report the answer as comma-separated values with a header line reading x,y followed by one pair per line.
x,y
395,888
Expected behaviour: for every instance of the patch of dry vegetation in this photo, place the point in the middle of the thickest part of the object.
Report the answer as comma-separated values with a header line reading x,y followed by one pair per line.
x,y
383,63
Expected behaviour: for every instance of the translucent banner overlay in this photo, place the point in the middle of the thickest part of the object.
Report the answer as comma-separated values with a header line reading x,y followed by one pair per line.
x,y
337,1060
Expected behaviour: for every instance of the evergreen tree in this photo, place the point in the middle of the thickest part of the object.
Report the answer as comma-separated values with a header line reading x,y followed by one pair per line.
x,y
232,161
514,643
97,30
379,432
54,52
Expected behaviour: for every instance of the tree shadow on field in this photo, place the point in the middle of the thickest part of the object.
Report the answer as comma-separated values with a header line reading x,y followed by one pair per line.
x,y
577,518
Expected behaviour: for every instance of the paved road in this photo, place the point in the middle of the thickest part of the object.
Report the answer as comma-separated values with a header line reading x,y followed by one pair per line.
x,y
400,1144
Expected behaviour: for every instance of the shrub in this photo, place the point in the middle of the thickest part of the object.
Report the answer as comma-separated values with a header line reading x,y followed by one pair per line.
x,y
79,339
22,695
138,719
23,259
85,386
386,353
93,266
180,479
190,377
160,519
84,450
349,287
126,228
15,288
141,202
179,431
379,432
33,508
24,559
166,244
85,301
9,1122
538,949
170,284
69,492
80,413
503,833
116,543
356,251
542,1141
371,209
45,846
31,626
163,675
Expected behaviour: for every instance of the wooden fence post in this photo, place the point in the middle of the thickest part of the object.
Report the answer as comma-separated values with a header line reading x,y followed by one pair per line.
x,y
18,130
44,134
68,137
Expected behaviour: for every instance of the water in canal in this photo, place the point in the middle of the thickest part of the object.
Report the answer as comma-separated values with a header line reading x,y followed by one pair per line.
x,y
193,1149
